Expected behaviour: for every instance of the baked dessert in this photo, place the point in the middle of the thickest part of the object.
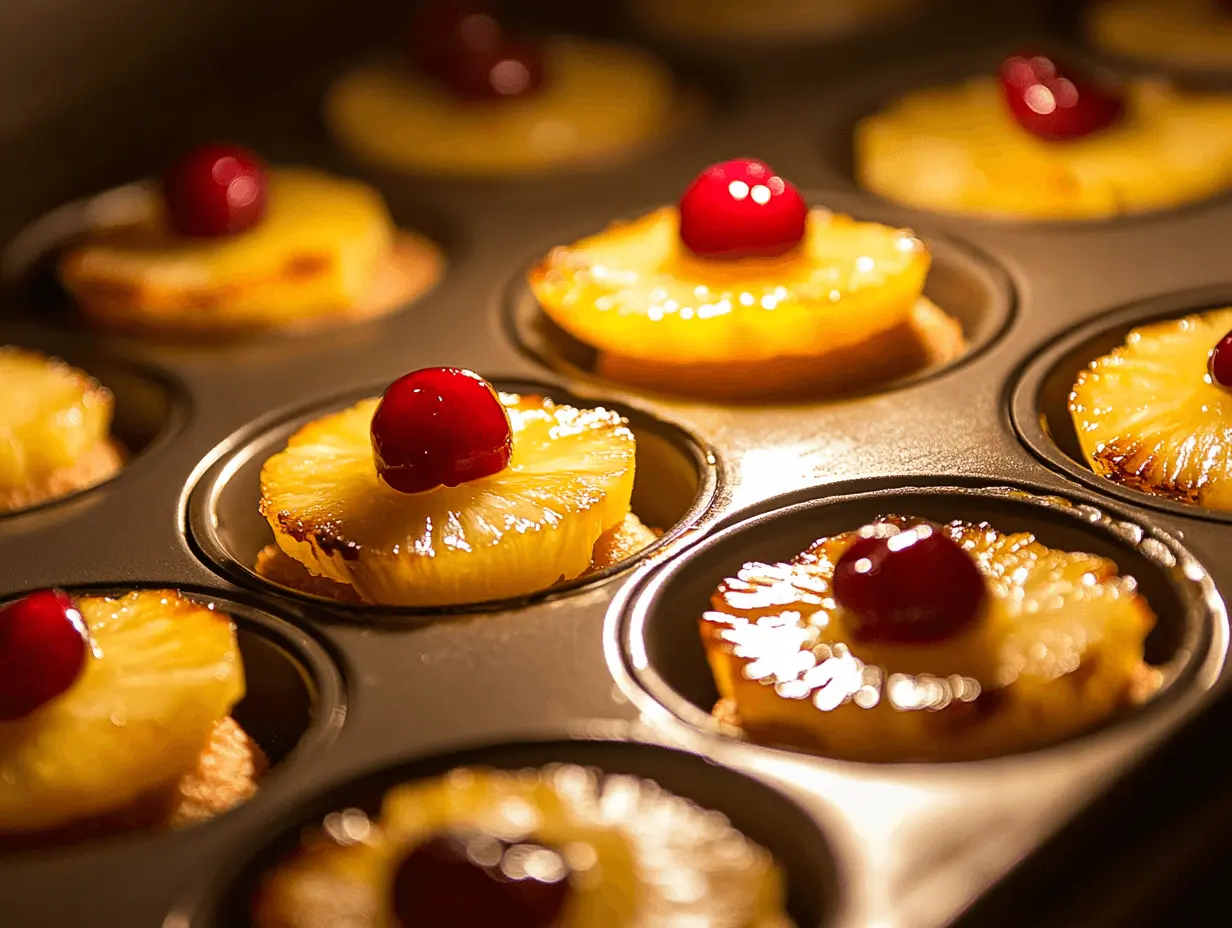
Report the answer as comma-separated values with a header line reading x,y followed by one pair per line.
x,y
1045,142
907,641
1155,414
776,22
443,492
227,245
743,292
558,847
474,99
55,426
115,715
1195,34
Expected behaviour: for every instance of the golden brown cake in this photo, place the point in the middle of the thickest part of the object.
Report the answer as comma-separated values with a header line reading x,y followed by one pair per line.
x,y
908,641
54,430
186,261
558,847
1155,414
742,292
115,715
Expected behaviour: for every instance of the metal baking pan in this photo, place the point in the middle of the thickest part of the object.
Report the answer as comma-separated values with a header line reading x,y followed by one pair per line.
x,y
609,671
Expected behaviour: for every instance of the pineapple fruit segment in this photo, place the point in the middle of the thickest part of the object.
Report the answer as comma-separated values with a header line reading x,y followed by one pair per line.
x,y
602,101
958,149
163,674
634,291
1059,649
513,533
52,418
1148,417
317,252
622,837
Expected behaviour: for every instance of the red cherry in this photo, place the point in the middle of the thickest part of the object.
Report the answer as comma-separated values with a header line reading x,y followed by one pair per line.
x,y
510,69
215,190
469,878
1054,104
912,587
440,426
443,30
741,209
43,648
1219,364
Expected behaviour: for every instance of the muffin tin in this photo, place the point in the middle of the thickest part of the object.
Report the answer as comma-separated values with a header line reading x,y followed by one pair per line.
x,y
609,670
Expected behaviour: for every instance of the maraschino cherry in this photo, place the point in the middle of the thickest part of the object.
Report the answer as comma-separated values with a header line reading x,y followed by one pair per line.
x,y
741,209
43,649
440,426
215,190
915,587
1219,364
512,68
443,30
1054,104
464,44
469,878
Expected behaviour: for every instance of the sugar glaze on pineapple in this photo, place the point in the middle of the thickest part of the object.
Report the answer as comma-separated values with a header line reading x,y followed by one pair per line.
x,y
561,502
1151,416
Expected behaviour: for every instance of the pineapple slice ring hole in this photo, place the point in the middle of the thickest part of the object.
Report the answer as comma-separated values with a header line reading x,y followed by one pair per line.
x,y
963,283
676,479
1039,402
423,256
294,702
659,661
762,814
149,406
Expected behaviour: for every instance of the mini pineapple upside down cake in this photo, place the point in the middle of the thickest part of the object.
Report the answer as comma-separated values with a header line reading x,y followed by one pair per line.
x,y
908,641
1155,414
556,847
1043,141
115,714
225,245
444,492
54,430
475,99
744,293
1195,34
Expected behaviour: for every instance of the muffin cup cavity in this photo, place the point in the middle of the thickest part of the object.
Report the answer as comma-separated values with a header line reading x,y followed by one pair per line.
x,y
676,479
150,406
964,283
655,649
1039,401
761,813
293,705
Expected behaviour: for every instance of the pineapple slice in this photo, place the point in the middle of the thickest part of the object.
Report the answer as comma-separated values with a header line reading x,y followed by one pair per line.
x,y
513,533
958,149
326,247
631,846
53,417
1148,416
1058,650
164,673
634,291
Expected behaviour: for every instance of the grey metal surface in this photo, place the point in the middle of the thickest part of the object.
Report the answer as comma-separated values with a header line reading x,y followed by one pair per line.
x,y
393,688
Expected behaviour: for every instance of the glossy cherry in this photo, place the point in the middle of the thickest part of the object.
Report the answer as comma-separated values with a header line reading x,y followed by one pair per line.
x,y
43,649
1219,363
470,878
440,426
443,30
915,587
1054,103
215,190
741,209
511,68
